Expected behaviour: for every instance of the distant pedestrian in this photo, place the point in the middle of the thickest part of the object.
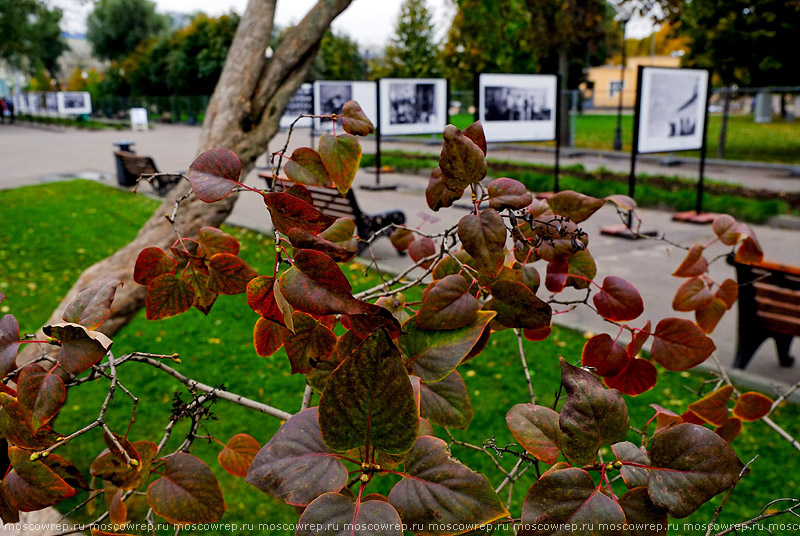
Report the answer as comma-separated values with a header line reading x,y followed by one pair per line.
x,y
3,110
10,106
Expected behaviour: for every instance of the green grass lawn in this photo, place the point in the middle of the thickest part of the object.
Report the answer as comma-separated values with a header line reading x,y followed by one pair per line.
x,y
49,233
778,141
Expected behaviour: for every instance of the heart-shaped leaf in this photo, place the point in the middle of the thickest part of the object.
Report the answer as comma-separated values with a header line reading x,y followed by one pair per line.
x,y
433,354
93,305
32,485
446,402
537,431
637,340
622,201
665,417
238,454
475,133
401,239
604,355
713,407
112,466
438,195
730,430
556,276
168,296
151,263
369,400
310,343
678,344
642,517
420,248
188,492
9,344
618,300
261,298
749,251
316,285
305,167
288,212
583,267
689,465
575,206
355,121
203,297
569,498
17,429
80,348
448,305
518,307
708,316
438,492
752,406
229,274
462,162
268,337
302,239
692,294
334,514
638,376
296,466
483,236
341,156
215,174
341,232
212,241
592,415
41,393
725,227
633,476
694,264
728,292
508,193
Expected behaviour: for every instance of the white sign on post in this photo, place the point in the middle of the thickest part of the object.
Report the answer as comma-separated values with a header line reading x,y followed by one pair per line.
x,y
413,105
672,109
138,119
330,96
518,107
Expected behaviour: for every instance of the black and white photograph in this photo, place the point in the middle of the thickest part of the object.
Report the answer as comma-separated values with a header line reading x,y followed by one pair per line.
x,y
517,107
74,102
413,106
672,109
301,104
51,102
330,96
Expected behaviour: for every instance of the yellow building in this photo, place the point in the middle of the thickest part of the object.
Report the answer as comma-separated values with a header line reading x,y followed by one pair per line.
x,y
607,79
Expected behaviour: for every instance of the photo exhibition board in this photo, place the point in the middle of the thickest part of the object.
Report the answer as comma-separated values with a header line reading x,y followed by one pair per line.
x,y
330,96
74,102
518,107
301,104
413,105
672,109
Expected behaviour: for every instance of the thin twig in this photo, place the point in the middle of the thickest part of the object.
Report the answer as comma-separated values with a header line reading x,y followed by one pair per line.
x,y
525,365
718,509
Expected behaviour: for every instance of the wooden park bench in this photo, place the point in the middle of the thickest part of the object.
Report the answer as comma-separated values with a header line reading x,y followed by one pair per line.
x,y
329,201
134,165
769,307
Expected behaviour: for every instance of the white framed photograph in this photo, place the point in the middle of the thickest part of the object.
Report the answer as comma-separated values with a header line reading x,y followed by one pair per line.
x,y
74,102
413,105
301,104
330,96
51,102
518,107
672,109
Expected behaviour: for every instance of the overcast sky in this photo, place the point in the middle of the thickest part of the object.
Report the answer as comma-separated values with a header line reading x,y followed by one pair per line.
x,y
369,22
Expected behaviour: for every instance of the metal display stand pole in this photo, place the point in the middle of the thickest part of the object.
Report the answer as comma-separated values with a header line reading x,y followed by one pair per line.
x,y
559,104
378,164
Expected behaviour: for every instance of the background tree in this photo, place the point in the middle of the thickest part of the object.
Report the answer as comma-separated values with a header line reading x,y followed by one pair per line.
x,y
30,37
413,51
116,27
338,59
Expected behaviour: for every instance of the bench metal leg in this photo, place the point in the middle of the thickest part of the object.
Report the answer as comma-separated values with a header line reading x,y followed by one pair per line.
x,y
746,347
782,343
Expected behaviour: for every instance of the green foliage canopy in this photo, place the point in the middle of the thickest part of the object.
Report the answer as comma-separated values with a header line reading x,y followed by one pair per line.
x,y
413,51
30,38
116,27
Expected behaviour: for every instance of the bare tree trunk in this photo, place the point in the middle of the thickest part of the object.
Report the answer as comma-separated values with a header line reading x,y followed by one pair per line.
x,y
243,115
723,132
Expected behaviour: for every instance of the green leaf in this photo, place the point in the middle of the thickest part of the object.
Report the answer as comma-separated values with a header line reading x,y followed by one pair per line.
x,y
41,393
9,344
642,516
484,238
462,162
93,305
678,344
355,121
238,454
369,400
296,466
310,343
447,304
618,300
690,464
305,167
446,402
626,451
228,274
188,492
566,502
342,233
536,429
433,354
32,485
518,307
334,514
592,415
215,174
341,156
575,206
80,348
508,193
212,241
168,296
316,285
438,492
288,212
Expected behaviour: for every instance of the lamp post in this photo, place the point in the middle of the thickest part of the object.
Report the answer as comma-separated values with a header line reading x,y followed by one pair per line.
x,y
624,18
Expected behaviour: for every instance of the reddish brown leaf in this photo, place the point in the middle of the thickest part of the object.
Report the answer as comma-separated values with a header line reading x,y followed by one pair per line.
x,y
448,305
41,393
117,510
401,239
287,212
212,241
622,201
575,206
305,167
693,264
557,272
422,247
151,263
508,193
168,296
539,334
518,307
341,233
666,418
679,344
749,251
637,340
536,429
484,237
728,292
203,297
475,133
752,406
692,418
316,285
462,162
311,342
633,476
724,227
32,485
341,156
9,344
80,348
261,298
637,377
438,195
238,454
604,355
188,492
708,317
446,402
302,239
713,407
582,265
618,300
228,274
93,305
355,121
692,294
16,427
334,514
730,430
268,337
642,517
215,174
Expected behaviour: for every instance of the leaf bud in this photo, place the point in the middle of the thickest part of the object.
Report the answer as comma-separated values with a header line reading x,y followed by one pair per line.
x,y
618,464
134,463
364,478
609,466
34,456
45,454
